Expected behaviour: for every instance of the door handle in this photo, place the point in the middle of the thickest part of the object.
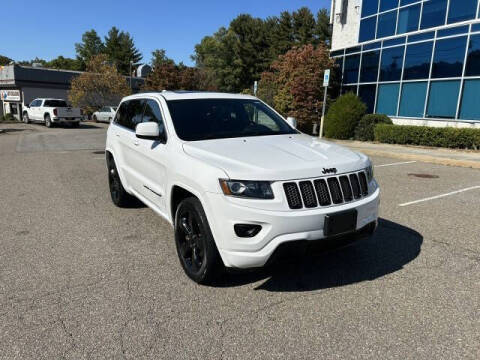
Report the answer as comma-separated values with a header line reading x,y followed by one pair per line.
x,y
118,135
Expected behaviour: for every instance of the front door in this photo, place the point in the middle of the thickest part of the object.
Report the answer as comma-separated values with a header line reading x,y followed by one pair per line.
x,y
153,164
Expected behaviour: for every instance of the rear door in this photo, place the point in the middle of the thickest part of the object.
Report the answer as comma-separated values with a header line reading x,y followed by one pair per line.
x,y
128,116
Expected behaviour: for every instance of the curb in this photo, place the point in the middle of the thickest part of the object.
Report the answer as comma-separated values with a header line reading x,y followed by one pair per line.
x,y
421,158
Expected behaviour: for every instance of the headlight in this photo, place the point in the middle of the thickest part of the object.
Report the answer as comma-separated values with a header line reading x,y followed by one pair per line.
x,y
369,171
248,189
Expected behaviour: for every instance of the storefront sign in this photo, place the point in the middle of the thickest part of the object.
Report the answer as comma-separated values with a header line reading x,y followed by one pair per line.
x,y
10,95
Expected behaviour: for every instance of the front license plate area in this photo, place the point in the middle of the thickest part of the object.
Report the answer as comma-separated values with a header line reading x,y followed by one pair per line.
x,y
340,223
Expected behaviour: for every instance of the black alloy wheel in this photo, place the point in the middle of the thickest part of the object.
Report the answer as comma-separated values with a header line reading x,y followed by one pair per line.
x,y
196,247
117,192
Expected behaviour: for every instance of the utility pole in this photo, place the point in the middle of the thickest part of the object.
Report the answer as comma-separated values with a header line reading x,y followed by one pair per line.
x,y
326,82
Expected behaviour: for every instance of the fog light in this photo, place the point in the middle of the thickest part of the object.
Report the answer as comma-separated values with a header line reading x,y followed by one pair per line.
x,y
246,230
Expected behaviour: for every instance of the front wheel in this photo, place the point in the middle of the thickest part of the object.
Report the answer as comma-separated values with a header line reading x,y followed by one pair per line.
x,y
26,119
95,118
196,247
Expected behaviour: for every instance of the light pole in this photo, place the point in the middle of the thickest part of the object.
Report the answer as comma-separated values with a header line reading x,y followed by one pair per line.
x,y
131,64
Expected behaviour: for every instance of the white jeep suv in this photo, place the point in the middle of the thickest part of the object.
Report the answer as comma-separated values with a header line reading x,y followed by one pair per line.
x,y
234,179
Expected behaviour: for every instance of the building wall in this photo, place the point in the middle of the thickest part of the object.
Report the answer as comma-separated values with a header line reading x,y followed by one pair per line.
x,y
419,63
31,93
345,23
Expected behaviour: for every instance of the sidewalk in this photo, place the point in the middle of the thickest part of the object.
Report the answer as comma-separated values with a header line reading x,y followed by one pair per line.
x,y
450,157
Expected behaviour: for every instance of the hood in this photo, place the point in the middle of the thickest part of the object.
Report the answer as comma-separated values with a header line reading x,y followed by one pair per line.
x,y
277,157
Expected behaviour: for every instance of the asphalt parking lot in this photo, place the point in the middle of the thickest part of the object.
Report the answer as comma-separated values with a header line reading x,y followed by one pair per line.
x,y
80,278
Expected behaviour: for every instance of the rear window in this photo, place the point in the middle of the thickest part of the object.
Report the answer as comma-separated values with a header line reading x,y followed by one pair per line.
x,y
55,103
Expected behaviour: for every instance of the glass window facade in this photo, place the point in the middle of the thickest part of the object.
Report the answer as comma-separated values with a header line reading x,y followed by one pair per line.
x,y
434,12
469,109
461,10
391,64
386,24
369,71
442,100
367,94
369,7
449,57
408,19
412,102
412,16
388,4
473,58
367,29
387,99
351,67
415,60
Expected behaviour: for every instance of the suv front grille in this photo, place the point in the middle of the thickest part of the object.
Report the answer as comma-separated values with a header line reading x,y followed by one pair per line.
x,y
325,191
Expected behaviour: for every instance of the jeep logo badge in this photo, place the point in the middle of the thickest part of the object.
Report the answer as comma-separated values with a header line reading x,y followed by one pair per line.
x,y
329,171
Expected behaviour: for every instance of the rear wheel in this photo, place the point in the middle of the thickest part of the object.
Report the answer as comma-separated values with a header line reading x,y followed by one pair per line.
x,y
25,117
196,247
48,121
117,192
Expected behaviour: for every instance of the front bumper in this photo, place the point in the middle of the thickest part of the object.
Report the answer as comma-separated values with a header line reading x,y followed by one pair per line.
x,y
278,227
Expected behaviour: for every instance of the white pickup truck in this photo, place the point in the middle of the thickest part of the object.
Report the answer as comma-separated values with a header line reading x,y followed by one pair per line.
x,y
50,112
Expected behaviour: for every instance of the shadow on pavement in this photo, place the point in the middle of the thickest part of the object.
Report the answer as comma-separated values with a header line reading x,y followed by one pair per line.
x,y
392,247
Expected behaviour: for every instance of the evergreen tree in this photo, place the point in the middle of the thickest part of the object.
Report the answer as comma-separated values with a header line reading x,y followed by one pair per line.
x,y
90,46
323,31
120,50
304,26
4,60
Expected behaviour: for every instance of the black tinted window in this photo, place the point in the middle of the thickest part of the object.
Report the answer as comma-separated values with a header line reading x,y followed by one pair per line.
x,y
203,119
153,113
130,113
55,103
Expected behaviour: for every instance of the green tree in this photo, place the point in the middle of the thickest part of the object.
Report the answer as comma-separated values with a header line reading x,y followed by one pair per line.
x,y
281,34
4,60
120,49
64,64
160,58
90,47
100,85
323,31
304,26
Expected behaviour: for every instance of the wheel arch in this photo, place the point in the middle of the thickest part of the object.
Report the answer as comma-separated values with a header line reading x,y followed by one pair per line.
x,y
177,194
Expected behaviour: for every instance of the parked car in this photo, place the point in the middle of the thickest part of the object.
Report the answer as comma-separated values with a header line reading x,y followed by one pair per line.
x,y
235,179
105,114
51,111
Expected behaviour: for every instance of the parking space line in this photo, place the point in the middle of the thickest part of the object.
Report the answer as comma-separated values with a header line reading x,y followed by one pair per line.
x,y
440,196
397,163
99,158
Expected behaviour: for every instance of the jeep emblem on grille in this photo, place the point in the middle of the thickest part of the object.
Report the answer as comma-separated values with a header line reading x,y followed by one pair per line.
x,y
329,171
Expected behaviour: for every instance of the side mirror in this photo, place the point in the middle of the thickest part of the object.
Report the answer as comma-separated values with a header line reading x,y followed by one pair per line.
x,y
292,122
149,131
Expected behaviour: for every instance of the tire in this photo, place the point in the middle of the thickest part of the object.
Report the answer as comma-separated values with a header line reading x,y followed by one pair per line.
x,y
95,118
48,121
117,192
196,247
25,117
76,124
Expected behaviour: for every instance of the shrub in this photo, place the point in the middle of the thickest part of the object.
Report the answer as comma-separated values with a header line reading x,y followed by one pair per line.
x,y
343,116
428,136
7,117
364,129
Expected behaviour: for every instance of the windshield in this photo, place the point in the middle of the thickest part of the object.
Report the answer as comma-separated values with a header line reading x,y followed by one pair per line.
x,y
202,119
55,103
